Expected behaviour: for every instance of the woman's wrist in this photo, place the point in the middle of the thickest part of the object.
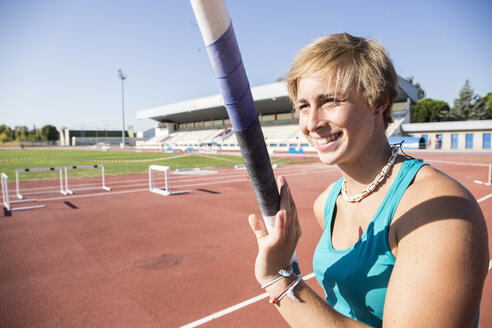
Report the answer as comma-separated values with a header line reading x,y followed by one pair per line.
x,y
269,275
281,285
282,288
282,274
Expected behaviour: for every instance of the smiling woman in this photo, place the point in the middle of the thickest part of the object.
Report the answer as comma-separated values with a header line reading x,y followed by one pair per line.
x,y
403,244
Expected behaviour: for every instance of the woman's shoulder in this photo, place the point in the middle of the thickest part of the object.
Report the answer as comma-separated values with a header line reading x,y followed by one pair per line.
x,y
430,182
435,199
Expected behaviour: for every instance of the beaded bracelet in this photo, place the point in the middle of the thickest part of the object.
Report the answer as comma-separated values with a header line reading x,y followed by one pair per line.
x,y
289,291
283,274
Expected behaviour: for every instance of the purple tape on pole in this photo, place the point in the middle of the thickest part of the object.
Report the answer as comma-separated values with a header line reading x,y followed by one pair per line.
x,y
233,82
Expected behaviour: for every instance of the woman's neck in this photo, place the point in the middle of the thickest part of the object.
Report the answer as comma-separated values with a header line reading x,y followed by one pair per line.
x,y
361,171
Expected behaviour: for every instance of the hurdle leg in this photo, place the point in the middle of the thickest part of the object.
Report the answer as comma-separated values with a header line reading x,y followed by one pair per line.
x,y
5,192
66,182
167,183
19,195
490,175
103,180
6,199
150,179
489,178
63,192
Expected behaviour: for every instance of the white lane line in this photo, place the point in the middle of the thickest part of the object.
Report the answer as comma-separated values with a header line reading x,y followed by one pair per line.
x,y
233,308
490,265
484,198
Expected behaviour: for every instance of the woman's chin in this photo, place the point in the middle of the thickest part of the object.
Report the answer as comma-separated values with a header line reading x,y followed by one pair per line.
x,y
330,158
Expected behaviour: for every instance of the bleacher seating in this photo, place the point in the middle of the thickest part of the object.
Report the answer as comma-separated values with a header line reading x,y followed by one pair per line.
x,y
194,136
279,132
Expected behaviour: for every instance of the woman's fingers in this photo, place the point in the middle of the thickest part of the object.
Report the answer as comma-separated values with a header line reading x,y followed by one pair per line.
x,y
258,226
288,205
295,219
284,197
286,229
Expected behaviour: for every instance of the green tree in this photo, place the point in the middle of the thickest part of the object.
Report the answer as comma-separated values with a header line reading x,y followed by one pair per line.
x,y
469,106
34,134
4,137
3,127
488,104
479,110
7,131
463,104
420,91
49,132
21,133
429,110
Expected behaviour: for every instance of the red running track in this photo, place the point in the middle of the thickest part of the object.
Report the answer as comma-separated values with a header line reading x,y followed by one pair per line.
x,y
132,258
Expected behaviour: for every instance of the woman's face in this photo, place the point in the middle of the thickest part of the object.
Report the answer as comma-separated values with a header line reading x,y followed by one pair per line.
x,y
340,129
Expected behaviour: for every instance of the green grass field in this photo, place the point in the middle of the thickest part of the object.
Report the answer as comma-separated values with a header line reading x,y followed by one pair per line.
x,y
115,162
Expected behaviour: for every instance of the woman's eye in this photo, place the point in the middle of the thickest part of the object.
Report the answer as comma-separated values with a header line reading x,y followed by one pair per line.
x,y
330,103
302,107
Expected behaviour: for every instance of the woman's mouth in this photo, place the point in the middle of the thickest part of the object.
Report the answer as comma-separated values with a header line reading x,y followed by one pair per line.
x,y
325,140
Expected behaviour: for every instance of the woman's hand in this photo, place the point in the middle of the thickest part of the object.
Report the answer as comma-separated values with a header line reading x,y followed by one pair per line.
x,y
275,249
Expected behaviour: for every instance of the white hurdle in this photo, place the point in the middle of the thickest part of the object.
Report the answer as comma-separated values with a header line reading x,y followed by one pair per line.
x,y
71,191
166,191
7,201
21,196
489,180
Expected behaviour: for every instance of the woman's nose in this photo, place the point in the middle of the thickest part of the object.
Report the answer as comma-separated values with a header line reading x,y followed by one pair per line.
x,y
314,120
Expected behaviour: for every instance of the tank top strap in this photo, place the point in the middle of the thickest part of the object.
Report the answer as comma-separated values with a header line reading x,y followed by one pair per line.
x,y
331,202
387,209
404,178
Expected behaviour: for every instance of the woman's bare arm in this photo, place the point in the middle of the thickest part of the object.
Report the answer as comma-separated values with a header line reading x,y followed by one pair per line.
x,y
442,256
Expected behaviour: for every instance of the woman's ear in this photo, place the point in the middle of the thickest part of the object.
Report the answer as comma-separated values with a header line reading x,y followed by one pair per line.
x,y
380,109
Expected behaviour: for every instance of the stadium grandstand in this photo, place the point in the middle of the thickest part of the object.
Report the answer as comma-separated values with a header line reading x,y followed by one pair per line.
x,y
202,123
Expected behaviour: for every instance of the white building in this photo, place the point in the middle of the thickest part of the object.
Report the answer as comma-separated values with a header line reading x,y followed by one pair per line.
x,y
463,135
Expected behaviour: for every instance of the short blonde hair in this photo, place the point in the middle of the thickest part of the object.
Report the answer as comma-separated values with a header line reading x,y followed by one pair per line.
x,y
353,63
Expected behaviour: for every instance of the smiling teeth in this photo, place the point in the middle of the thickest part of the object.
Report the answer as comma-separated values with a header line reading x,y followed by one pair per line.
x,y
324,141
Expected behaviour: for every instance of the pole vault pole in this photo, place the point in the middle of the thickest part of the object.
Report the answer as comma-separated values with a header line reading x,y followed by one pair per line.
x,y
223,51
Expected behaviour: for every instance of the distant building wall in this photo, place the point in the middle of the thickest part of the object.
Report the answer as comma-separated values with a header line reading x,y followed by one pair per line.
x,y
92,137
462,135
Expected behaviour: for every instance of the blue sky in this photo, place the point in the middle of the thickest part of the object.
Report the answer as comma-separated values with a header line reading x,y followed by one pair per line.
x,y
59,59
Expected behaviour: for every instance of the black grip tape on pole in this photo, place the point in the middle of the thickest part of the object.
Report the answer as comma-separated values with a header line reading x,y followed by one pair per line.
x,y
257,161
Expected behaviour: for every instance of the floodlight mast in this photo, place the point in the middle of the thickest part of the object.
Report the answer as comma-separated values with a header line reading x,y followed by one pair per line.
x,y
122,77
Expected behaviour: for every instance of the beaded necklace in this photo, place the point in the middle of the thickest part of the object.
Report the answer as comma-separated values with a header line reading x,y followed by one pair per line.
x,y
370,188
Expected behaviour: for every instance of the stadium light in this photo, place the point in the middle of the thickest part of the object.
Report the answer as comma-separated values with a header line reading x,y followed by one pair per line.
x,y
122,77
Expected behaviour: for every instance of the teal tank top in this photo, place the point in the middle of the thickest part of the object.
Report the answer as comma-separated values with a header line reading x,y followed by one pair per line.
x,y
355,280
